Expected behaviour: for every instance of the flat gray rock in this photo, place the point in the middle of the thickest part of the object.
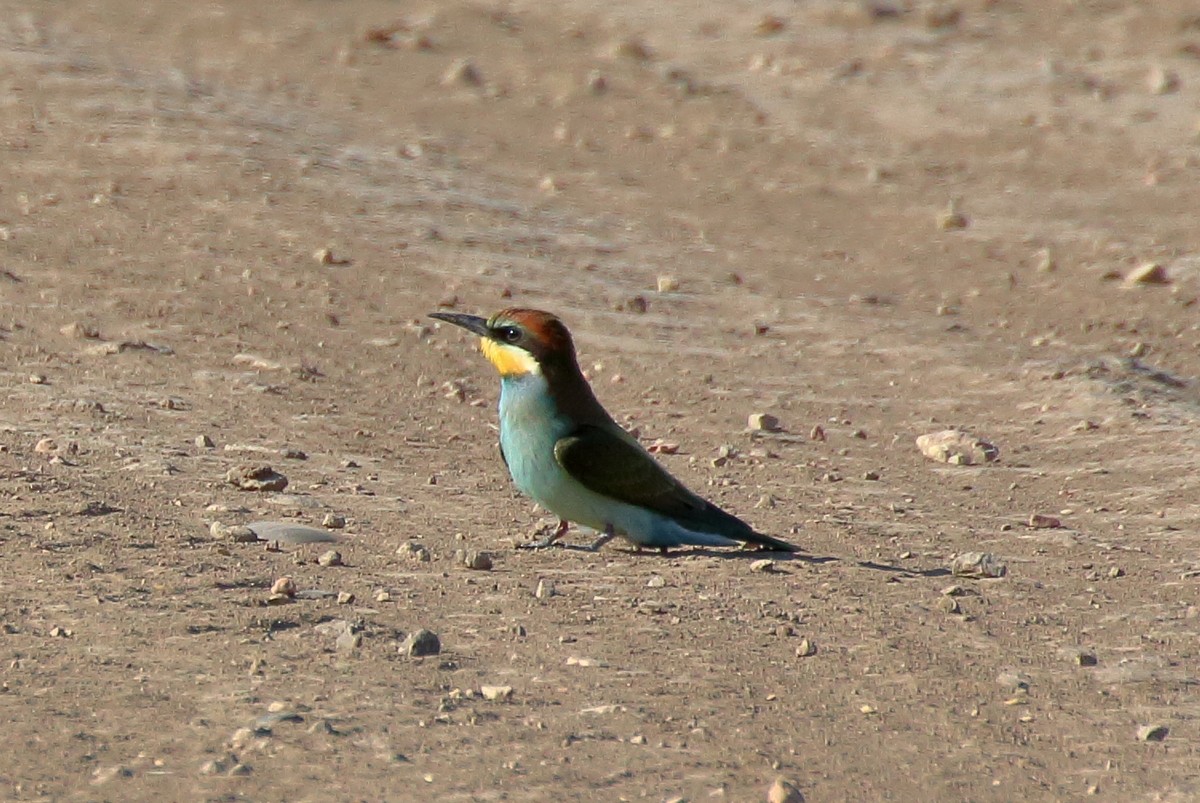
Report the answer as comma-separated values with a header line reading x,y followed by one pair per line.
x,y
288,533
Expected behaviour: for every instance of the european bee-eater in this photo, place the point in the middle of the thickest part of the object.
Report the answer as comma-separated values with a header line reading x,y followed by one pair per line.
x,y
565,451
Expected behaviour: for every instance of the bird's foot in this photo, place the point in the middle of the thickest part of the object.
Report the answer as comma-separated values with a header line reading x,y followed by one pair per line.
x,y
550,540
541,543
607,536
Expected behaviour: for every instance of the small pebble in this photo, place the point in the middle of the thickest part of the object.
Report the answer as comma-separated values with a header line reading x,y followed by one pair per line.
x,y
950,219
667,284
413,551
348,641
238,533
763,422
204,442
806,648
978,564
334,521
1040,521
284,585
345,598
330,558
498,693
784,791
656,582
421,643
256,478
1152,733
949,605
957,448
479,561
1147,273
545,589
463,72
1161,81
764,565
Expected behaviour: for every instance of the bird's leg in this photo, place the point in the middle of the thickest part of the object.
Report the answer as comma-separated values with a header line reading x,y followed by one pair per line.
x,y
549,540
607,536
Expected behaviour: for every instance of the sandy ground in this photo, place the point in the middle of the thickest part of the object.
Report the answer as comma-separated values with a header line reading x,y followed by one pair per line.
x,y
228,220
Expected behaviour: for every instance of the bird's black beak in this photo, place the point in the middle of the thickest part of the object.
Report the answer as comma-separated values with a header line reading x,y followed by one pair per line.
x,y
472,323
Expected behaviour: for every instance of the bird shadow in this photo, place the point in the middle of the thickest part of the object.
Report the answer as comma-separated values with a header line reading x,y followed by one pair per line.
x,y
752,555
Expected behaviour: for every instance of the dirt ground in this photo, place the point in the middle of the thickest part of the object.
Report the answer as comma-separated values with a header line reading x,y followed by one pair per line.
x,y
228,220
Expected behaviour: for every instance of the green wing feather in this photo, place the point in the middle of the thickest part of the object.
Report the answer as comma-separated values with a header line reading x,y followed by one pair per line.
x,y
620,469
615,465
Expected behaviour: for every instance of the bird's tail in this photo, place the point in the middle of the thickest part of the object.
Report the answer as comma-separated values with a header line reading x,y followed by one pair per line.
x,y
773,544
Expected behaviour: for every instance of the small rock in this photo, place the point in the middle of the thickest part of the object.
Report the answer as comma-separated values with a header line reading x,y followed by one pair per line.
x,y
656,582
217,766
770,25
871,476
637,739
784,791
667,284
817,433
413,551
345,598
806,648
1161,81
1147,273
950,219
421,643
1080,657
285,532
464,73
383,596
1152,733
81,331
326,256
978,564
334,521
284,585
46,446
949,605
330,558
957,448
634,49
953,591
479,561
279,599
765,501
545,589
348,641
1045,261
764,565
1040,521
763,422
1014,681
204,442
256,478
496,693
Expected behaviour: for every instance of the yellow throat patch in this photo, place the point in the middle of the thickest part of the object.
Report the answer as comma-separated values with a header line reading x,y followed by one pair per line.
x,y
509,360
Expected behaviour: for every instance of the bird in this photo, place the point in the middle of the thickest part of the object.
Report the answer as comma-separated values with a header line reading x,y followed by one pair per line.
x,y
564,450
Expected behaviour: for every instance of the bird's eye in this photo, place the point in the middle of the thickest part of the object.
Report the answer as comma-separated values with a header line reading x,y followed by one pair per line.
x,y
510,334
